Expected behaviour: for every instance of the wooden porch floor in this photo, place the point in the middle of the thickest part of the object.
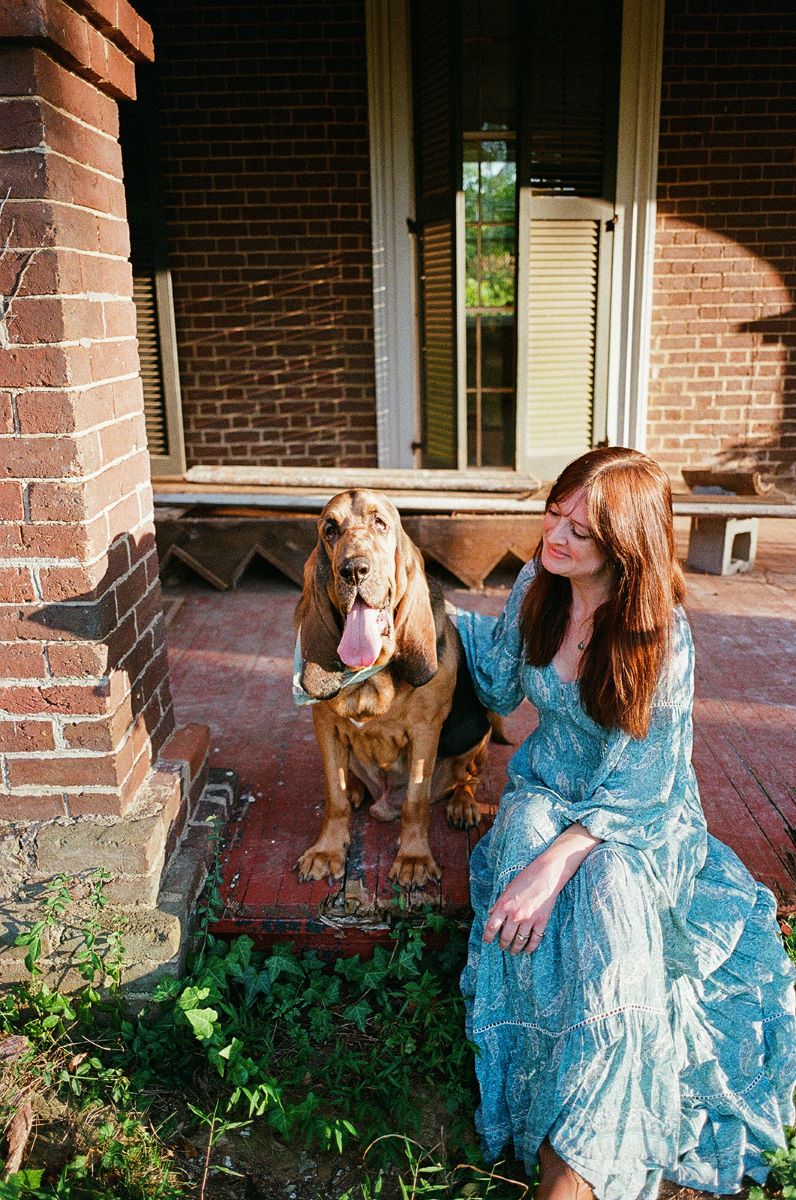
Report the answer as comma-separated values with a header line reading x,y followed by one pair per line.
x,y
230,665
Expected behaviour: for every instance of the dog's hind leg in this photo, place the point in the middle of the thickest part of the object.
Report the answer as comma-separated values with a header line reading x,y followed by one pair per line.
x,y
462,809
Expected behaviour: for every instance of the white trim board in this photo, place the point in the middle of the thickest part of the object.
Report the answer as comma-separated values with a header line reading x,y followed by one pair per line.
x,y
392,205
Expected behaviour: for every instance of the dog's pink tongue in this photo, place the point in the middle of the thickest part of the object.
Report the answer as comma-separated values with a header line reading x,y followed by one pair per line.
x,y
360,644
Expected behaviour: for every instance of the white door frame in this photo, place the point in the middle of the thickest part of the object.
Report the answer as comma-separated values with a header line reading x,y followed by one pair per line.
x,y
392,198
393,205
634,237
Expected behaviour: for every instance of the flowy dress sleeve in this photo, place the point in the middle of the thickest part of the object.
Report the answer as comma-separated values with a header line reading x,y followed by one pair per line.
x,y
493,646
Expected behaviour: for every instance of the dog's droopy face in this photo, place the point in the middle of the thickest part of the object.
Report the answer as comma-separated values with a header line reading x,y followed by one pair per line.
x,y
360,534
365,599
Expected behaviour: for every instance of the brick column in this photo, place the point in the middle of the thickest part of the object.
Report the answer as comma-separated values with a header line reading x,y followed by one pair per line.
x,y
93,773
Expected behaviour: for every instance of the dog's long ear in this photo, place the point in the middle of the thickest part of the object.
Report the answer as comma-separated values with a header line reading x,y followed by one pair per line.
x,y
415,658
321,672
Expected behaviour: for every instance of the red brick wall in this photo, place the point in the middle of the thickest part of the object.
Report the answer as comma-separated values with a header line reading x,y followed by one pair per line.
x,y
84,701
723,382
266,191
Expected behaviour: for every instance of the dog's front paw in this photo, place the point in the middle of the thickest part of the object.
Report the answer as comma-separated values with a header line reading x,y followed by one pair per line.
x,y
462,810
415,870
322,862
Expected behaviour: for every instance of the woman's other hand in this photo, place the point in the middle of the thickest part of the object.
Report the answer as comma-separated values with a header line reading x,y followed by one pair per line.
x,y
520,915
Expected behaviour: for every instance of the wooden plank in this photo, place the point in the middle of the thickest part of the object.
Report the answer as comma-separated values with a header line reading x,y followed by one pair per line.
x,y
740,483
464,502
381,478
767,856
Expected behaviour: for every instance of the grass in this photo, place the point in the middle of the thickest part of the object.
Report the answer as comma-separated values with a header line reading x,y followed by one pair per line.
x,y
361,1062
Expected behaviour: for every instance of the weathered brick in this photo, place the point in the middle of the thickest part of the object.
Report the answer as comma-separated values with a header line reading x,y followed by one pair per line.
x,y
60,770
110,359
41,366
16,585
48,457
22,660
55,271
130,590
149,607
52,319
103,733
11,504
29,71
83,501
73,583
130,787
6,413
188,744
123,517
120,438
98,803
63,412
31,808
26,736
65,699
50,541
72,661
39,224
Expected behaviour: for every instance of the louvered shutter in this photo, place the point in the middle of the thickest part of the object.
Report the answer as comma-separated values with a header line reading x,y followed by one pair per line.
x,y
562,300
567,165
146,312
434,30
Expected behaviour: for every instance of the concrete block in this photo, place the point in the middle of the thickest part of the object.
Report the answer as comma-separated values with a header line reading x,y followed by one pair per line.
x,y
722,545
130,847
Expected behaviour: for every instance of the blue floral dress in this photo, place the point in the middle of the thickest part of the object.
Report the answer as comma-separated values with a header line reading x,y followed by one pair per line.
x,y
651,1035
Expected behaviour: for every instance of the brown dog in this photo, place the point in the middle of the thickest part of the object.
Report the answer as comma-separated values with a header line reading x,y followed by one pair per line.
x,y
367,603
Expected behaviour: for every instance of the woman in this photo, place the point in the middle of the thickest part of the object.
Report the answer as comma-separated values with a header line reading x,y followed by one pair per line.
x,y
626,985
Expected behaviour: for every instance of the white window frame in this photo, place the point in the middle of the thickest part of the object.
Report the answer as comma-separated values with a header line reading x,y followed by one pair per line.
x,y
628,328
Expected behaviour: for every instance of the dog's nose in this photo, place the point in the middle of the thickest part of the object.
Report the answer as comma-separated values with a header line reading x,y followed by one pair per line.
x,y
354,570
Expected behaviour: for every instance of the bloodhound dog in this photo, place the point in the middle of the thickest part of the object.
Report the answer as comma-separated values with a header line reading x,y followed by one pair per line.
x,y
394,704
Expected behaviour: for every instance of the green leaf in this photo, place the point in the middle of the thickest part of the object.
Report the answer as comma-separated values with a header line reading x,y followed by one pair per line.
x,y
202,1021
277,965
191,997
166,989
255,983
358,1013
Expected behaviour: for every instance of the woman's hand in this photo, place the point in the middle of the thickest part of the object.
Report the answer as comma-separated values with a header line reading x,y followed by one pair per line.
x,y
521,913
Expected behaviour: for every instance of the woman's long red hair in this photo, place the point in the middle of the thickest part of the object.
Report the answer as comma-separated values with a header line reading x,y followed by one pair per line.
x,y
629,505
